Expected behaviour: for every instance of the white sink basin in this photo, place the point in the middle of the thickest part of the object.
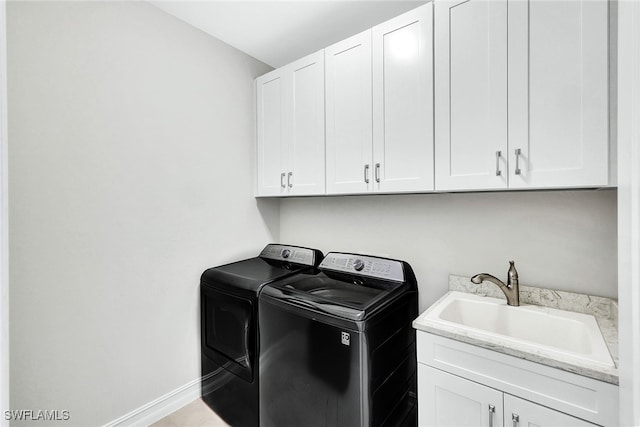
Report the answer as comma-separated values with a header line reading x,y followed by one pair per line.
x,y
562,335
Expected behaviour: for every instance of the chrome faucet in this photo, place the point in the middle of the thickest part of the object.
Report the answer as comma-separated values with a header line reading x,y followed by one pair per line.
x,y
511,290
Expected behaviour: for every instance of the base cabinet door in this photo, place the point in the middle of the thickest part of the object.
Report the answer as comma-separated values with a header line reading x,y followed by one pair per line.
x,y
522,413
445,400
448,400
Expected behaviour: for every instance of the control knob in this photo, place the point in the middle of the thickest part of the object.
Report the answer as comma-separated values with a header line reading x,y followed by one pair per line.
x,y
285,253
358,265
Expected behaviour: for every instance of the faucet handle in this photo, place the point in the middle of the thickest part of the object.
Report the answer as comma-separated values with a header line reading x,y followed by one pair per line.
x,y
512,273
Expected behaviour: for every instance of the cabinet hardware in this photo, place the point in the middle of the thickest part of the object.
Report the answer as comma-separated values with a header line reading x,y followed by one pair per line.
x,y
366,174
498,155
378,172
289,184
516,419
518,152
492,410
282,180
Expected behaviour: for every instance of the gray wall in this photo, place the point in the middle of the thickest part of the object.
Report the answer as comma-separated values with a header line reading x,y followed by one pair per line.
x,y
562,240
131,157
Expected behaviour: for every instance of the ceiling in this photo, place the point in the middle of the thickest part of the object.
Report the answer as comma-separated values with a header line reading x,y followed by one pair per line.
x,y
278,32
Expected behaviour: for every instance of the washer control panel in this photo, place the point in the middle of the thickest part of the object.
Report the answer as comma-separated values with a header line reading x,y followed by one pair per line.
x,y
363,265
289,253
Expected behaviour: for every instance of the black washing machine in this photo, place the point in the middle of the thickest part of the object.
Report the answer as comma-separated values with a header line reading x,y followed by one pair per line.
x,y
337,347
229,327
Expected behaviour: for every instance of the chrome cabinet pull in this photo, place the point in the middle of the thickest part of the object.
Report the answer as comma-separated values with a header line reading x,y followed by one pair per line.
x,y
289,175
498,155
492,410
377,172
282,180
366,174
518,153
516,419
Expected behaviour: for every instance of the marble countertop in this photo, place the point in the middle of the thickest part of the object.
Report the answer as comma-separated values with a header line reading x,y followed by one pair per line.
x,y
604,310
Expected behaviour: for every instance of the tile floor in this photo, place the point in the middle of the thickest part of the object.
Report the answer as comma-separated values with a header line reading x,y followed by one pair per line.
x,y
195,414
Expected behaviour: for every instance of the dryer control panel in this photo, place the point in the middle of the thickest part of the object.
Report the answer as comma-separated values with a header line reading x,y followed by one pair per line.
x,y
363,265
288,253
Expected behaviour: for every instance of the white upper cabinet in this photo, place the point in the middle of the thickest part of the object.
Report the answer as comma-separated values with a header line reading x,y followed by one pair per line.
x,y
558,93
307,147
272,139
471,94
348,119
290,129
455,95
379,100
403,102
521,94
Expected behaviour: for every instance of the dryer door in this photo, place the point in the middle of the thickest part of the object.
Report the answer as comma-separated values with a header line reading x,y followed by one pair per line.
x,y
228,335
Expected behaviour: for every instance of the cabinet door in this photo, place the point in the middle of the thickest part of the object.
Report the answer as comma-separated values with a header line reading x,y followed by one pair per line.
x,y
448,400
305,158
558,93
349,120
522,413
471,94
403,102
271,131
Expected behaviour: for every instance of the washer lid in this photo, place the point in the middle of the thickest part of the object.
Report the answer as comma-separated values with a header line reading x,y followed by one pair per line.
x,y
345,296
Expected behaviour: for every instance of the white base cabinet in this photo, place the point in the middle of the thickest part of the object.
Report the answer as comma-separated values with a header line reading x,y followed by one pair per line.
x,y
522,413
464,385
449,400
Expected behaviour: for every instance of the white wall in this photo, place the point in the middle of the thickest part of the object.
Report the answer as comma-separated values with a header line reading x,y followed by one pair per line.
x,y
629,209
4,241
131,157
562,240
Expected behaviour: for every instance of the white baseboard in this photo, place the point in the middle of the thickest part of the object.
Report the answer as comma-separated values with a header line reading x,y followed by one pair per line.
x,y
161,407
